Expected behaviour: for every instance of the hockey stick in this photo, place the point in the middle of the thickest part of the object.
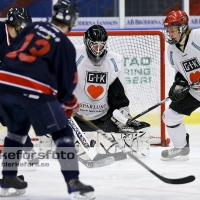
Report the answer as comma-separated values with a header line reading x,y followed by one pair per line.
x,y
166,180
97,160
163,101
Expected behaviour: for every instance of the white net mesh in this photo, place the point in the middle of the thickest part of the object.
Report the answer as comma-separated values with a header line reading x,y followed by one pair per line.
x,y
142,67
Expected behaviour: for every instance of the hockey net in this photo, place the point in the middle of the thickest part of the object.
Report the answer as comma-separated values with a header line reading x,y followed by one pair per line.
x,y
144,68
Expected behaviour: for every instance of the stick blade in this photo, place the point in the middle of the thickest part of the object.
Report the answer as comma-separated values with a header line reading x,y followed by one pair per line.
x,y
184,180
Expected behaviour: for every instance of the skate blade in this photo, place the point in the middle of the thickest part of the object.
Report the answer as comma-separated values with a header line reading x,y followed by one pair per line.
x,y
84,196
177,158
5,192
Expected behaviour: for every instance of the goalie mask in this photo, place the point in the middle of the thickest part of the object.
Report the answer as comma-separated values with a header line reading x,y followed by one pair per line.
x,y
95,39
19,18
65,12
175,21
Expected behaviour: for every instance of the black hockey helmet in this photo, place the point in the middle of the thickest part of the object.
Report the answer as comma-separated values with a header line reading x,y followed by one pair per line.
x,y
19,18
95,39
66,12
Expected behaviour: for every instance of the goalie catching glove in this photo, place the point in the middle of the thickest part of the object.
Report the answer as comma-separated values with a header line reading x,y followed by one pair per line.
x,y
123,120
71,108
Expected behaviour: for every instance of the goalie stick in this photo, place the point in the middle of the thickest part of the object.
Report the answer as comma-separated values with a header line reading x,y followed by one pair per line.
x,y
97,163
164,100
184,180
97,160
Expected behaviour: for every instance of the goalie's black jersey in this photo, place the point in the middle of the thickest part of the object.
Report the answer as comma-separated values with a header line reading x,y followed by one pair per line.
x,y
41,60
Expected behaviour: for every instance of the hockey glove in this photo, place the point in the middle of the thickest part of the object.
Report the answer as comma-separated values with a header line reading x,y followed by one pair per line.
x,y
175,93
137,124
71,108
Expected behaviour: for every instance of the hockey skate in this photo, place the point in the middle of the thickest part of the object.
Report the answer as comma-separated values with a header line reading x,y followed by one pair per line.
x,y
80,191
31,157
13,182
20,177
177,153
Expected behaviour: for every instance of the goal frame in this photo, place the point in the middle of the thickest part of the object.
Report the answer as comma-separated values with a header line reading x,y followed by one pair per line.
x,y
164,140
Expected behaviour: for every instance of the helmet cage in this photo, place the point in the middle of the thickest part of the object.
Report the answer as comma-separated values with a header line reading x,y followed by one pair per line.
x,y
101,47
177,19
95,39
181,28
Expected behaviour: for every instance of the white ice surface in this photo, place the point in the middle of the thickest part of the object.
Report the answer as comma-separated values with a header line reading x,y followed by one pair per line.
x,y
123,180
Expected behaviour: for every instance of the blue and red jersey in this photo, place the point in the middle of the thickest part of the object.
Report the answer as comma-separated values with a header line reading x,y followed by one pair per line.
x,y
40,60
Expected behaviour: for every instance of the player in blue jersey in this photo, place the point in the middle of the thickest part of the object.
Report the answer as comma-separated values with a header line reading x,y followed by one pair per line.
x,y
37,79
17,19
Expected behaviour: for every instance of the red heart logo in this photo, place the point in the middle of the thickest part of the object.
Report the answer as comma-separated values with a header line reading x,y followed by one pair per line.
x,y
95,91
195,76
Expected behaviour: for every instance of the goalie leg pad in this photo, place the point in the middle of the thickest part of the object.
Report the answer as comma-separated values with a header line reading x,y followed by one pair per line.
x,y
137,143
103,147
141,144
99,160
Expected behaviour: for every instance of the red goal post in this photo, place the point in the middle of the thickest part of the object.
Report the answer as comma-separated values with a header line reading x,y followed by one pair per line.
x,y
144,67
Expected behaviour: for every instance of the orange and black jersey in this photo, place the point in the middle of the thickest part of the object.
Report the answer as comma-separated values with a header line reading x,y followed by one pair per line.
x,y
41,60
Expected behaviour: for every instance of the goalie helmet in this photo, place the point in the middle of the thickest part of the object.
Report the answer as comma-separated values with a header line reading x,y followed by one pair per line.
x,y
65,12
19,18
95,39
175,19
